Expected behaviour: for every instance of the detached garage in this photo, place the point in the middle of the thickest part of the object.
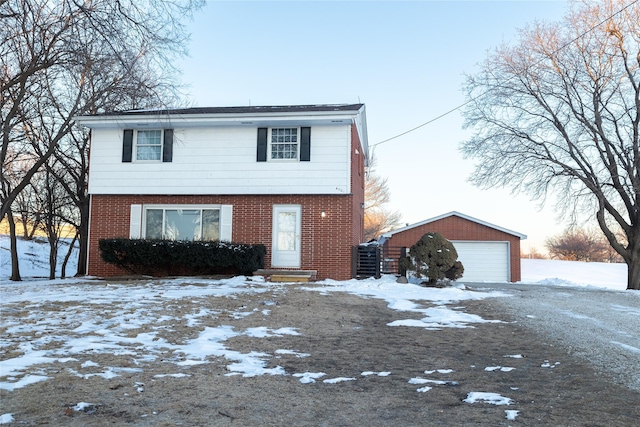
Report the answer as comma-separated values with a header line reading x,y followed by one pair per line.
x,y
489,253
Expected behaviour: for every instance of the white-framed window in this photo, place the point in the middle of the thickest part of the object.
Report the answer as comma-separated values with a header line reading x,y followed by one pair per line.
x,y
148,145
284,143
181,222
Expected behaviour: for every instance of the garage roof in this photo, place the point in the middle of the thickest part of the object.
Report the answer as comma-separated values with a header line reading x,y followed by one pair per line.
x,y
453,213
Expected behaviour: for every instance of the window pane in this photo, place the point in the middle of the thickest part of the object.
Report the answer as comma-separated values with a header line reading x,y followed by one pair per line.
x,y
284,143
211,225
149,137
148,152
148,144
182,224
287,231
154,224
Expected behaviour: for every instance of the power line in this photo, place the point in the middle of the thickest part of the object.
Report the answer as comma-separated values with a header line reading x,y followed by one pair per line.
x,y
538,62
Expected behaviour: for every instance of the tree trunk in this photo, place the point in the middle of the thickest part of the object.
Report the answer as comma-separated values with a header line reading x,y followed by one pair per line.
x,y
25,227
83,237
633,269
53,259
53,251
15,267
63,269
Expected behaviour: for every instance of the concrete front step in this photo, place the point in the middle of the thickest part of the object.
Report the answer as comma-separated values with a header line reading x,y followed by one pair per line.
x,y
296,279
276,275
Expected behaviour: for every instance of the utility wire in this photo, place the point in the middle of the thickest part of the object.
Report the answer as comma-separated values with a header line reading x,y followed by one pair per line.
x,y
482,94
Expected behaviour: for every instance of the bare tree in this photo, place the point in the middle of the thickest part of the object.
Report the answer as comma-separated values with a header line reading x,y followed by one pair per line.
x,y
558,113
25,207
378,218
576,245
67,58
57,213
533,253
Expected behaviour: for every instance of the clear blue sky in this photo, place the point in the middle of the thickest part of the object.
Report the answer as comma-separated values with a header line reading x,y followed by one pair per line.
x,y
405,60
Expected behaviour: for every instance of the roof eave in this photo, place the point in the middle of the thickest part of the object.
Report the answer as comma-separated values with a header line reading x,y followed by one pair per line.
x,y
461,215
219,119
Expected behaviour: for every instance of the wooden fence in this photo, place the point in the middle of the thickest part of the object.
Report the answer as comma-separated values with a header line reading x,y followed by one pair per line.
x,y
374,261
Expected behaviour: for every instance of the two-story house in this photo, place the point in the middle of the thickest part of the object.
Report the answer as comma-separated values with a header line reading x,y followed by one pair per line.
x,y
288,177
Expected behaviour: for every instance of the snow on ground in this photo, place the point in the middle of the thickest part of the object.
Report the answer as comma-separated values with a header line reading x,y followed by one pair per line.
x,y
96,317
33,258
574,273
407,297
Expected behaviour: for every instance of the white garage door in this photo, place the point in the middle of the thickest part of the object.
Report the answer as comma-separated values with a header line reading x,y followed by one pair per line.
x,y
484,261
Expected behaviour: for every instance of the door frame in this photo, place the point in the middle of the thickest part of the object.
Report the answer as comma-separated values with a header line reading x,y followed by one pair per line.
x,y
293,259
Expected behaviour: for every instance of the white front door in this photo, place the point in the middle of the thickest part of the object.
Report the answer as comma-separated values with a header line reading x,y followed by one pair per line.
x,y
287,227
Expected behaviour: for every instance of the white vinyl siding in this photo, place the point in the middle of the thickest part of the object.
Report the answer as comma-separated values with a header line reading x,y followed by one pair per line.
x,y
484,261
222,160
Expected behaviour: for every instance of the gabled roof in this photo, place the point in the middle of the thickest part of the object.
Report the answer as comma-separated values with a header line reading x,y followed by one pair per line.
x,y
458,214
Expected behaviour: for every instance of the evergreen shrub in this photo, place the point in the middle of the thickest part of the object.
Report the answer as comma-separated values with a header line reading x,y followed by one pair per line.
x,y
435,258
178,257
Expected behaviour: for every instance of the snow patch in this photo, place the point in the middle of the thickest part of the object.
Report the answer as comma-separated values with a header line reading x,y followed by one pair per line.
x,y
492,398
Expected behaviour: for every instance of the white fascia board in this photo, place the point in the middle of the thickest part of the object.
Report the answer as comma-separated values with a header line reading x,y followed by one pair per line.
x,y
361,125
461,215
219,119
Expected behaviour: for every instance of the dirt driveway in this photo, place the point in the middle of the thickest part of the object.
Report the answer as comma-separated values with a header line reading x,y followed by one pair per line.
x,y
377,371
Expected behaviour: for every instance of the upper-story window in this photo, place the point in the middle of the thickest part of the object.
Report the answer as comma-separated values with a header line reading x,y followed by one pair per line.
x,y
148,145
284,143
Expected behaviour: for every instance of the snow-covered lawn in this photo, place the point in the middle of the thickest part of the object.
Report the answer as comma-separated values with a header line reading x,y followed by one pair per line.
x,y
573,273
73,322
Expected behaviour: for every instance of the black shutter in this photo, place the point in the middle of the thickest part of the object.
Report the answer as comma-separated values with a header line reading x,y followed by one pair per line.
x,y
262,145
127,145
167,146
305,144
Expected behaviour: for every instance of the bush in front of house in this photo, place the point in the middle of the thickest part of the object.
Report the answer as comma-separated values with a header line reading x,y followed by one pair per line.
x,y
435,258
174,257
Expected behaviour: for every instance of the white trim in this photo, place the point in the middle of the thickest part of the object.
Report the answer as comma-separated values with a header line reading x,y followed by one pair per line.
x,y
293,258
254,119
88,237
135,221
458,214
134,146
226,223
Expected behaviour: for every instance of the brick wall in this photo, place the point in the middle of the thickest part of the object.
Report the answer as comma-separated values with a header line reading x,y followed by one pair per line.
x,y
326,242
457,228
357,186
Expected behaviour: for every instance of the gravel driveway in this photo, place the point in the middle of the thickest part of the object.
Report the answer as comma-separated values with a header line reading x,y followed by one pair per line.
x,y
599,325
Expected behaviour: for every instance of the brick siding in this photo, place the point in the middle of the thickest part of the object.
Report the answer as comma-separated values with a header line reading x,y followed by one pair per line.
x,y
326,242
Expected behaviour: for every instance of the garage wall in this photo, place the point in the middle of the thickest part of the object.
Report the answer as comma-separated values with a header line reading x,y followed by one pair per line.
x,y
457,228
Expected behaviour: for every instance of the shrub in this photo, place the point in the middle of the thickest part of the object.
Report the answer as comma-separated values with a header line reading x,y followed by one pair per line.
x,y
434,257
170,257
